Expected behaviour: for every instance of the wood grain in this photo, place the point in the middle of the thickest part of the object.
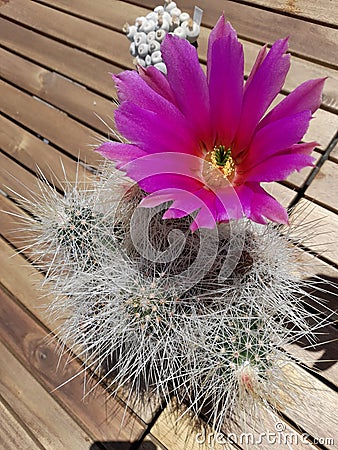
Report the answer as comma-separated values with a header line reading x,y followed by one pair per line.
x,y
69,29
13,434
29,341
71,62
325,11
315,414
324,187
58,91
334,154
50,123
49,422
55,59
29,43
35,154
184,432
324,237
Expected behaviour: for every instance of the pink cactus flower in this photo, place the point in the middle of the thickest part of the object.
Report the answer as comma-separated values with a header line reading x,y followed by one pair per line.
x,y
205,142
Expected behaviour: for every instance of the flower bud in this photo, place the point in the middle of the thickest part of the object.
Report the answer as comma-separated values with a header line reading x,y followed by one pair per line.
x,y
175,12
140,38
154,46
162,67
139,21
184,16
151,36
169,5
147,60
143,50
180,32
147,26
133,49
156,57
159,9
192,30
160,35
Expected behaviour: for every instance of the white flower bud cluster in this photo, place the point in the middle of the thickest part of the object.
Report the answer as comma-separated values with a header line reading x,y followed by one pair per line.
x,y
149,31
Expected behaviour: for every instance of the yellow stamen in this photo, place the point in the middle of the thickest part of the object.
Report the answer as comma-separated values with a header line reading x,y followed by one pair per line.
x,y
222,160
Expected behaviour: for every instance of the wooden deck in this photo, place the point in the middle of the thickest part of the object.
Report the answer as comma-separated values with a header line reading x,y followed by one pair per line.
x,y
55,56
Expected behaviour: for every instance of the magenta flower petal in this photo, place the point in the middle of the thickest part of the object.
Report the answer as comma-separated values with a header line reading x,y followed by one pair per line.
x,y
220,30
155,132
186,74
119,152
307,96
264,86
305,148
228,204
264,206
204,219
166,164
226,87
131,87
260,58
159,197
279,167
158,82
154,183
275,137
184,203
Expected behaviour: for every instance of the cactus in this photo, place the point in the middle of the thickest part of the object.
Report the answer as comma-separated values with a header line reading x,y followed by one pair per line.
x,y
153,28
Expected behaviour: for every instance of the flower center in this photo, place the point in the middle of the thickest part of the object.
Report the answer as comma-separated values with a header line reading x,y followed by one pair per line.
x,y
222,160
219,167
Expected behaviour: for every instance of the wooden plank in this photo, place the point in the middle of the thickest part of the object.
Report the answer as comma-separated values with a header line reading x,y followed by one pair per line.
x,y
13,435
33,153
115,13
66,95
324,186
317,412
334,154
318,11
50,123
151,443
93,38
100,414
313,41
297,179
181,434
15,180
326,278
187,433
282,193
9,222
75,64
323,239
45,418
